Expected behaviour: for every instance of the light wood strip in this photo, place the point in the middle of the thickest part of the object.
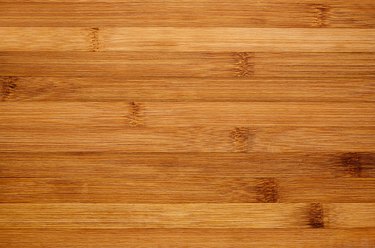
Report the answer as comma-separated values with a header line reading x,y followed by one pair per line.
x,y
79,138
172,165
183,189
140,65
187,39
175,114
154,215
110,89
187,237
189,13
46,39
352,215
245,215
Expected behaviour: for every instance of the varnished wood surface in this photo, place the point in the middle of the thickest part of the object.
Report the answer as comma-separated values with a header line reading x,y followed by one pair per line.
x,y
165,123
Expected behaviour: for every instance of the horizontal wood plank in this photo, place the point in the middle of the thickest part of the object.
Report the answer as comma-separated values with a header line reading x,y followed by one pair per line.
x,y
139,65
172,165
186,139
244,215
108,89
175,114
187,39
187,13
187,237
161,189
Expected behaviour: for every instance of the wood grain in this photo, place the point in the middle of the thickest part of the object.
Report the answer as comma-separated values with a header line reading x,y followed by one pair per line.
x,y
165,123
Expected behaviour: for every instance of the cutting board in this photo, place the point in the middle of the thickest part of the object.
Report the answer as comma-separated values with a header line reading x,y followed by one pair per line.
x,y
186,123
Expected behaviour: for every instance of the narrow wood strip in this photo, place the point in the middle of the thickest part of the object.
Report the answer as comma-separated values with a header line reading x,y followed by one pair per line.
x,y
176,114
79,138
133,190
326,190
154,215
183,189
46,39
187,39
190,238
195,65
351,215
172,165
184,89
174,13
249,215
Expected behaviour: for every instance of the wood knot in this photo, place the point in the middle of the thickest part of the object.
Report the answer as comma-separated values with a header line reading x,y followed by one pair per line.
x,y
135,115
240,137
267,190
94,39
9,85
316,215
321,14
352,163
244,64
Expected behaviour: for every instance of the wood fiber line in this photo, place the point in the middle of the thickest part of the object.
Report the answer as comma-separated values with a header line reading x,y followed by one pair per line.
x,y
189,40
173,13
108,89
142,65
187,237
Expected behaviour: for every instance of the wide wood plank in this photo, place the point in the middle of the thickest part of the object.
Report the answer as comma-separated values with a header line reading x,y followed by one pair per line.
x,y
138,65
187,13
172,165
108,89
187,39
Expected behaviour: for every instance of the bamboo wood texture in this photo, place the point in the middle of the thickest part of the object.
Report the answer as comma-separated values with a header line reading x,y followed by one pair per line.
x,y
165,123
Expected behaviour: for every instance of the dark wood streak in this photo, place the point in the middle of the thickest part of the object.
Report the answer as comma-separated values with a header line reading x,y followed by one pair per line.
x,y
316,215
267,190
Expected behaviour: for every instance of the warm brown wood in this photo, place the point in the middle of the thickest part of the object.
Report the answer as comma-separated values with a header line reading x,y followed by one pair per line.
x,y
171,165
189,13
198,215
186,139
186,123
189,64
195,238
108,89
187,39
121,115
155,188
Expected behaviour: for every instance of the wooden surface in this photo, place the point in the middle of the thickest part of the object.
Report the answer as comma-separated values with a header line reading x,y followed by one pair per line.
x,y
168,123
